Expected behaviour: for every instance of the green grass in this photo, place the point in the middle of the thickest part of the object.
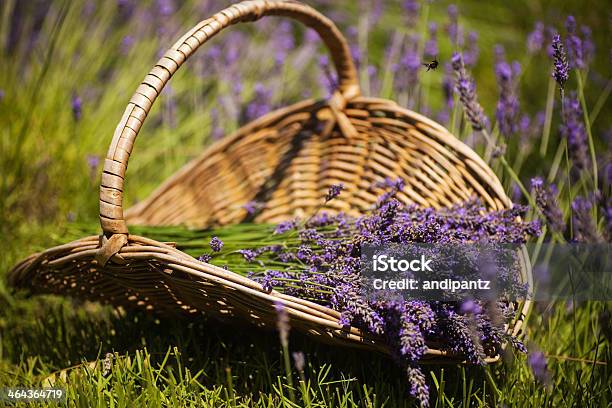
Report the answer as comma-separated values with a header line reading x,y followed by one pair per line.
x,y
45,183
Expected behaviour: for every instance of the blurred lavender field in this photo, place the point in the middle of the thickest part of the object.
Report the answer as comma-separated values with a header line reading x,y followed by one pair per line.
x,y
69,68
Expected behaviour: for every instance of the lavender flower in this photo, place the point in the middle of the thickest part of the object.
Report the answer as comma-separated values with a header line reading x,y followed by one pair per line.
x,y
431,46
411,10
538,365
204,258
285,227
535,39
575,133
588,46
282,324
216,244
259,104
470,57
466,89
507,110
334,191
77,107
252,207
585,229
93,161
560,65
298,360
546,200
573,44
453,29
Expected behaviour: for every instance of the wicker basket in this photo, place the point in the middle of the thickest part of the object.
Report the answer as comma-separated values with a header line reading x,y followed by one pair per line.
x,y
286,159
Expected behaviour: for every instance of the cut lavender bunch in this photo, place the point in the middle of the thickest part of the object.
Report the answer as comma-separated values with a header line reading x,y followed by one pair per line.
x,y
324,266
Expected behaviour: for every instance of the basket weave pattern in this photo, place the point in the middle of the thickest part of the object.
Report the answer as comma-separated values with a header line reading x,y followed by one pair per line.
x,y
286,160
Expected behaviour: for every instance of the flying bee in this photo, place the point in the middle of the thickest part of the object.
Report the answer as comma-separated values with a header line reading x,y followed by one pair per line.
x,y
432,65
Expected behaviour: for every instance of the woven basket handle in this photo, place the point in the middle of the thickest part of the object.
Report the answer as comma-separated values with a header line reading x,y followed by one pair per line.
x,y
115,165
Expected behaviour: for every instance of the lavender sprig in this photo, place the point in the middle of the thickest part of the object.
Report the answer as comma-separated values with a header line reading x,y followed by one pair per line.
x,y
467,94
560,64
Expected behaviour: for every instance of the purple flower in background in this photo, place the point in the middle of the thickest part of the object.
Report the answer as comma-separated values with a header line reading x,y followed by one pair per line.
x,y
284,42
329,80
535,40
538,365
453,29
216,244
260,102
127,43
507,110
588,46
585,229
2,94
93,161
165,7
252,207
411,10
282,323
298,360
334,191
470,56
572,128
573,44
431,46
471,307
546,200
448,86
77,106
560,65
466,89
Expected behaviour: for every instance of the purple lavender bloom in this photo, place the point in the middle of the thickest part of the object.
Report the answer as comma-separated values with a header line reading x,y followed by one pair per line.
x,y
282,323
546,200
165,8
127,43
431,46
507,110
471,307
585,229
334,191
573,44
535,40
466,89
260,103
572,128
252,207
216,244
411,10
329,80
284,42
298,360
453,29
588,46
93,161
537,362
560,65
470,57
285,226
204,258
77,107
